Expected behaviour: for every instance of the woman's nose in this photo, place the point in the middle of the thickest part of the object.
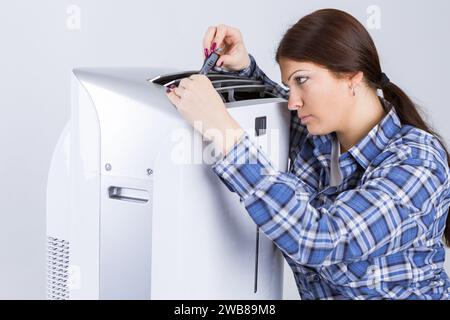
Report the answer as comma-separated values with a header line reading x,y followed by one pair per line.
x,y
294,104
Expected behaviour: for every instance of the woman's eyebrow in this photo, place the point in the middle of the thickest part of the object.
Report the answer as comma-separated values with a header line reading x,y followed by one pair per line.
x,y
291,76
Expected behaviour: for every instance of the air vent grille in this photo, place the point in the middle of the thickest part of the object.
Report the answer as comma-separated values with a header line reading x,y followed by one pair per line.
x,y
57,269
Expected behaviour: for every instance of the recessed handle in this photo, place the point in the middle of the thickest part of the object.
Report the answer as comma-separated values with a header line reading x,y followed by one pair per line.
x,y
128,194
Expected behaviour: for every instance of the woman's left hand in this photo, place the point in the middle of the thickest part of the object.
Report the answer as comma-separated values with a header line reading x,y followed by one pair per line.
x,y
201,106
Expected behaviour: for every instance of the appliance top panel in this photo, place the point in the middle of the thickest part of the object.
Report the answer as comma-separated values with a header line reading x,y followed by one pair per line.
x,y
148,85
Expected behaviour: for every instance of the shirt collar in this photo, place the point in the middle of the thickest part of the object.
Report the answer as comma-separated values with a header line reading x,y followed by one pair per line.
x,y
371,145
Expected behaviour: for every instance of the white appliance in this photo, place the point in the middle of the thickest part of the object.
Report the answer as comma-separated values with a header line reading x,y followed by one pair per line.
x,y
133,210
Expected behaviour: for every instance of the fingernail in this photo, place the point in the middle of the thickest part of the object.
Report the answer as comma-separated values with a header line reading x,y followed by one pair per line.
x,y
206,53
213,46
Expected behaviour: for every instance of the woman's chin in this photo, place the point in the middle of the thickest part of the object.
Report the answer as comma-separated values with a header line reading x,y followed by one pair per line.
x,y
315,131
311,129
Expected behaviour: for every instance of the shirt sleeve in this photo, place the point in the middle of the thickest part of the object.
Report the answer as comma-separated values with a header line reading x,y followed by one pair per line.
x,y
298,131
393,207
254,72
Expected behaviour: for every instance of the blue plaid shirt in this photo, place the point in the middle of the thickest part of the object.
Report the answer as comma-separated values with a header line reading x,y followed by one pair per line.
x,y
377,234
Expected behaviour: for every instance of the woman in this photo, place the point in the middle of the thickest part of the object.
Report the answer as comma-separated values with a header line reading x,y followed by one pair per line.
x,y
362,211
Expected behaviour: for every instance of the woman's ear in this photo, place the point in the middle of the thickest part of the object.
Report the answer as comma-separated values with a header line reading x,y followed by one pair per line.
x,y
356,79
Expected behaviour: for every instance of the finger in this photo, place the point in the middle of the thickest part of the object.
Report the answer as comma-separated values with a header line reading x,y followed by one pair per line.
x,y
209,36
174,98
232,36
185,83
224,58
221,32
180,92
193,78
199,77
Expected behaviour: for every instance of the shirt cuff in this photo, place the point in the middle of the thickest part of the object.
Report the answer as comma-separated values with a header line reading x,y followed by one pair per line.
x,y
247,72
244,168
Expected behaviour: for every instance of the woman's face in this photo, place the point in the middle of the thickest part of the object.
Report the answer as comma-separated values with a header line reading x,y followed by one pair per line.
x,y
317,93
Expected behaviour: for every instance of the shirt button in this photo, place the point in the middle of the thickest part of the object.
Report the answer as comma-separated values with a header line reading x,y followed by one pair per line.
x,y
373,270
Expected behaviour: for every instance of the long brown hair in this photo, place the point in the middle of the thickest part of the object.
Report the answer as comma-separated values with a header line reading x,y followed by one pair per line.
x,y
336,40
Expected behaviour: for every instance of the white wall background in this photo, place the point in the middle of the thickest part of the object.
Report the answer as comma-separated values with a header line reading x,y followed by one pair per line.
x,y
41,41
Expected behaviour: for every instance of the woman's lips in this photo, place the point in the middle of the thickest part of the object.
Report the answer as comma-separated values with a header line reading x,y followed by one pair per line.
x,y
305,119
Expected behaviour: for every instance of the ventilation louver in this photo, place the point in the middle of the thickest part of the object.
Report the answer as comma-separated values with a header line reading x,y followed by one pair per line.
x,y
57,269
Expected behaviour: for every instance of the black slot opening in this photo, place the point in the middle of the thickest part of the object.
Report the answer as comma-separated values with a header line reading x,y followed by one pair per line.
x,y
260,126
242,86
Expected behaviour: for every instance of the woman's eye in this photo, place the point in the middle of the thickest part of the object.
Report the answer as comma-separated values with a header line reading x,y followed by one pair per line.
x,y
301,80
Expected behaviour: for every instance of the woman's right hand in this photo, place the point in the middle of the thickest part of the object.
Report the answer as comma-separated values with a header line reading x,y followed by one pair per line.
x,y
233,54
